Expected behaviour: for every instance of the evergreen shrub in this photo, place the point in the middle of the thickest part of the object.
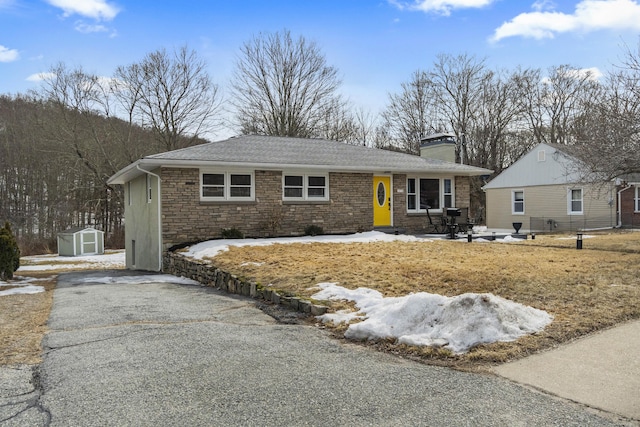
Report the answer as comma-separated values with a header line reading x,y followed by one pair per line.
x,y
9,253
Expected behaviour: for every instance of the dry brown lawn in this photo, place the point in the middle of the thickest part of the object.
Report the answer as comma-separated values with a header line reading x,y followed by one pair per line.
x,y
585,290
23,323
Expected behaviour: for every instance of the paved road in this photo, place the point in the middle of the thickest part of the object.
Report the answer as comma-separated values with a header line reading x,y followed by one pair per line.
x,y
160,354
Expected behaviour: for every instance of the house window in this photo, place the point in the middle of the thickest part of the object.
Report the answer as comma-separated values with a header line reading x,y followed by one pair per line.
x,y
429,193
305,187
149,189
517,197
448,193
226,186
129,199
575,201
541,156
636,200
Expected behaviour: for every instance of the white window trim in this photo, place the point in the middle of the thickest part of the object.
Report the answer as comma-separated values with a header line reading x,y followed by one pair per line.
x,y
227,186
441,192
636,200
513,202
570,200
305,187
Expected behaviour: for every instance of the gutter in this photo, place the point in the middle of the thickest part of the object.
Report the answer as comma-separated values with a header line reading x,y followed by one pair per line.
x,y
448,169
159,216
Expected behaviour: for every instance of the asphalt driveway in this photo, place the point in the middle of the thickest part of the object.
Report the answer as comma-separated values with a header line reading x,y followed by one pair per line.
x,y
164,354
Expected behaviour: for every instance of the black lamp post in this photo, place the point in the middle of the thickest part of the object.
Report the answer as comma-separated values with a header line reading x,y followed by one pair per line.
x,y
579,241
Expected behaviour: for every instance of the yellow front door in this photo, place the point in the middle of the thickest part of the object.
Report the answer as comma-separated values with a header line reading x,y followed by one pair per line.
x,y
381,201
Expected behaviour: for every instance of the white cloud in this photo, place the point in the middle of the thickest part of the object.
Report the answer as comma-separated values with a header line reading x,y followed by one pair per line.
x,y
96,9
443,7
83,27
592,73
589,15
8,55
38,77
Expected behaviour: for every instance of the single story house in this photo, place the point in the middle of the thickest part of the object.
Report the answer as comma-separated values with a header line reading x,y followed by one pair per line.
x,y
544,190
278,186
80,241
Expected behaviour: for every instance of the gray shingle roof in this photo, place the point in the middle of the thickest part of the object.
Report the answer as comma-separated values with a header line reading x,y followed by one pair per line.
x,y
277,152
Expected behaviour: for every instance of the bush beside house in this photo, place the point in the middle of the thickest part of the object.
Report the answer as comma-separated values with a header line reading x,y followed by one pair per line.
x,y
9,253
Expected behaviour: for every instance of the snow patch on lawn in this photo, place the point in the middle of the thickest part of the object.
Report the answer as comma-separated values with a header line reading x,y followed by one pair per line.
x,y
111,260
211,248
457,323
21,286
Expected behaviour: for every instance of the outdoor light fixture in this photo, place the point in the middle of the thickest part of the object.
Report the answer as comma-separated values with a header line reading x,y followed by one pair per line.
x,y
533,236
493,235
579,241
469,235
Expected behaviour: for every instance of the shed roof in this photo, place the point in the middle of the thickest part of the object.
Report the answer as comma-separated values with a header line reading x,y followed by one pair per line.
x,y
75,230
274,152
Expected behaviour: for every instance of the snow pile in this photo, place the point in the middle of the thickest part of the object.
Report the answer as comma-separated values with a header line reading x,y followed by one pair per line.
x,y
23,285
424,319
109,260
211,248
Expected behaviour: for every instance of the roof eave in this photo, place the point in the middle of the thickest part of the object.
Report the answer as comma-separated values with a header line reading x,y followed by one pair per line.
x,y
133,170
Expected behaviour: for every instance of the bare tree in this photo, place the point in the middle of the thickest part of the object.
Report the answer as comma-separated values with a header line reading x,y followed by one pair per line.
x,y
458,83
553,103
365,127
411,114
496,118
172,94
284,87
608,141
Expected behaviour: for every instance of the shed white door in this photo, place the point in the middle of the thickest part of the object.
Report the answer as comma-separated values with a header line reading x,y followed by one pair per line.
x,y
89,243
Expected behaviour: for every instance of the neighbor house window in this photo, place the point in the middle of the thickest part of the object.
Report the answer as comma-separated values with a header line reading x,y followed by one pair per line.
x,y
308,187
541,156
129,199
637,199
149,189
429,193
575,201
517,197
226,186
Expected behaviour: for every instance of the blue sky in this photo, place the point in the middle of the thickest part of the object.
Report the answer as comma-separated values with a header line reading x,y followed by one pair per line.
x,y
375,44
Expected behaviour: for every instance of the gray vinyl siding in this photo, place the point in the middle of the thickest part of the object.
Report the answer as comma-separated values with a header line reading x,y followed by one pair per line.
x,y
142,225
551,202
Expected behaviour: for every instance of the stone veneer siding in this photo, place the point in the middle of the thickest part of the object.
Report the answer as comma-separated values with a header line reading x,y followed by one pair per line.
x,y
186,219
418,223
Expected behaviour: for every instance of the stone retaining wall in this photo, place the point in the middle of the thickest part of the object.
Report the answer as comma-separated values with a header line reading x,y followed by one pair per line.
x,y
209,275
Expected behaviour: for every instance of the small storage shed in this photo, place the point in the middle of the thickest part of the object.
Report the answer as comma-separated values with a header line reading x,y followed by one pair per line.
x,y
80,241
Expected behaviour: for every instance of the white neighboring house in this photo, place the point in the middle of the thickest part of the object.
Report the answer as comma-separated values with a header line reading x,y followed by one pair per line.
x,y
544,191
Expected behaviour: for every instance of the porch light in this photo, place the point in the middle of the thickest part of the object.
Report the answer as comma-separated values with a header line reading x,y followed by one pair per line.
x,y
579,241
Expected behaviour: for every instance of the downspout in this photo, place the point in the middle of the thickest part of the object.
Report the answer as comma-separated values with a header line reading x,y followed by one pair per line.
x,y
620,205
159,216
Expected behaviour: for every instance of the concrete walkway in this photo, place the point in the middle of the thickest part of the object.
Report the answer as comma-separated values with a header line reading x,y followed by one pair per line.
x,y
601,370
